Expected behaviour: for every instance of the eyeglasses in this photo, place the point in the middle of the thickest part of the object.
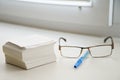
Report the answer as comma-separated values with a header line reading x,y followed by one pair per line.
x,y
97,51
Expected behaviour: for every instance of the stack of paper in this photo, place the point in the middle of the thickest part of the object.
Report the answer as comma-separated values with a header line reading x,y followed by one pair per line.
x,y
30,51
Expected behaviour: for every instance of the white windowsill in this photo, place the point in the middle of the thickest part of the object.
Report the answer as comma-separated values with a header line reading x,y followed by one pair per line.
x,y
66,3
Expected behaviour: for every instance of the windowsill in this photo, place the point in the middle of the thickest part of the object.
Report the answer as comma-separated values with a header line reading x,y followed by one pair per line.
x,y
62,68
65,3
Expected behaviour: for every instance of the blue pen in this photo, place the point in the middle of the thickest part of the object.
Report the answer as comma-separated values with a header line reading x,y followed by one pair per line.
x,y
80,60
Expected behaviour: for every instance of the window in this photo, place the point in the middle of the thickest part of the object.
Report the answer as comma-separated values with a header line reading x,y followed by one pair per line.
x,y
110,13
79,3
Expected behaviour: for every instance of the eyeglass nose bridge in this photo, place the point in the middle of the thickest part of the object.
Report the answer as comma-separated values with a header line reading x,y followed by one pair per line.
x,y
83,49
88,48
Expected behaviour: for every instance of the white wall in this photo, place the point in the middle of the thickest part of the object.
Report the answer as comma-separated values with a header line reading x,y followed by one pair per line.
x,y
87,20
116,23
117,12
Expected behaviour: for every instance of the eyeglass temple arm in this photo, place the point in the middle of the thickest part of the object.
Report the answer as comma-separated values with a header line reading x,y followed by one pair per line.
x,y
61,38
109,37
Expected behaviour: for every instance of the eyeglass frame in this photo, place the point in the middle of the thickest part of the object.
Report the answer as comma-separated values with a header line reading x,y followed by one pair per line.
x,y
105,40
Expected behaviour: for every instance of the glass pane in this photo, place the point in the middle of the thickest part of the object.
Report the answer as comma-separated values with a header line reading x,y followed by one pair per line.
x,y
70,51
101,51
